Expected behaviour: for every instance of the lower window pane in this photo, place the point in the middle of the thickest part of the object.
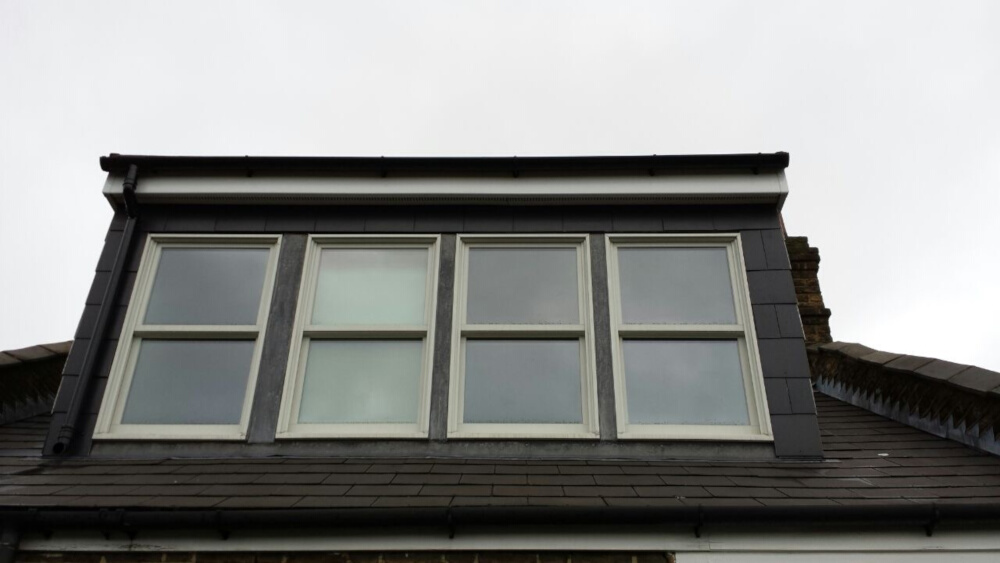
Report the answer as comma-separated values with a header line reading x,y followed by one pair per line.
x,y
189,382
523,381
359,381
684,382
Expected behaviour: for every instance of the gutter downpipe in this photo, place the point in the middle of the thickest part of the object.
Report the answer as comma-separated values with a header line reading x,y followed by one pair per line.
x,y
927,517
10,539
68,431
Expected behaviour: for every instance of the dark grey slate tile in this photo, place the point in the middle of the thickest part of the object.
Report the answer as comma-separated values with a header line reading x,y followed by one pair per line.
x,y
796,435
494,479
135,253
191,221
527,491
566,501
489,501
774,249
783,357
789,322
587,220
98,287
334,502
685,218
746,217
85,329
386,502
637,220
538,220
242,221
600,491
293,220
778,401
341,220
800,392
74,361
766,321
489,220
771,287
438,220
753,251
111,245
391,221
628,480
127,287
455,490
426,479
579,480
384,490
118,222
672,491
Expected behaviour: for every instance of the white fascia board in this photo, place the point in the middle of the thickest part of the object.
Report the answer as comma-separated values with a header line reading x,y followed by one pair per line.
x,y
767,188
849,545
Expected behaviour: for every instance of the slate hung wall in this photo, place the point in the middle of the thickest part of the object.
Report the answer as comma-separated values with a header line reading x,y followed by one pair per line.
x,y
772,295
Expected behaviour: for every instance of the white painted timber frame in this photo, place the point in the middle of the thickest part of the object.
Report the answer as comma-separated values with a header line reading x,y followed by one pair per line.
x,y
109,426
742,332
288,427
461,332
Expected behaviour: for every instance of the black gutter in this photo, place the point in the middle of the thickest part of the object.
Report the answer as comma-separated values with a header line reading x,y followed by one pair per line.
x,y
90,359
928,517
448,166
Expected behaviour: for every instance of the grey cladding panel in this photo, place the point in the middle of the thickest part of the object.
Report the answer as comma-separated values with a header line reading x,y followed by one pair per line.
x,y
743,217
637,220
111,245
789,322
778,401
498,220
85,329
588,221
796,435
801,394
438,220
253,221
771,287
774,248
687,218
753,251
291,221
98,287
783,357
766,321
191,221
538,220
340,220
391,221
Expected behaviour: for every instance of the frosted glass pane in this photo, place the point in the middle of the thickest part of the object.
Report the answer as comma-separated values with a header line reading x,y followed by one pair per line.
x,y
676,286
189,382
523,381
207,286
359,286
361,381
684,382
523,286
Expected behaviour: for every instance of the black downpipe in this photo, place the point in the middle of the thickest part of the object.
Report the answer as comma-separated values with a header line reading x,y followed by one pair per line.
x,y
68,430
9,542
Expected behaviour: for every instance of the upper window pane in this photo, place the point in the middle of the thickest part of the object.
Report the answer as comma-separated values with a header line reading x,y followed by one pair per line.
x,y
684,382
522,381
189,382
523,286
207,286
371,286
675,286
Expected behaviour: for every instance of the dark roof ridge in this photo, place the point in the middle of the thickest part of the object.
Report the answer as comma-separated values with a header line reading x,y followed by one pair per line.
x,y
956,401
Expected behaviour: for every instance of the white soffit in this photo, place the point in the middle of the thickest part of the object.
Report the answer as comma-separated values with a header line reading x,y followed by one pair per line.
x,y
702,188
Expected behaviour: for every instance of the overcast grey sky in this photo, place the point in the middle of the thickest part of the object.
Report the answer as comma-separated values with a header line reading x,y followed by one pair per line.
x,y
889,109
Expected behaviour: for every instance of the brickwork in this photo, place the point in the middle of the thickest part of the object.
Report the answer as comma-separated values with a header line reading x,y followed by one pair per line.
x,y
805,269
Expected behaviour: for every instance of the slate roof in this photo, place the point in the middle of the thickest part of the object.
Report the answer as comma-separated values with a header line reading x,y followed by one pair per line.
x,y
871,460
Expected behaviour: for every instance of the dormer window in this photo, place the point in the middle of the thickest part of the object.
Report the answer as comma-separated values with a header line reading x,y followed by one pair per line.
x,y
522,349
187,359
361,359
685,356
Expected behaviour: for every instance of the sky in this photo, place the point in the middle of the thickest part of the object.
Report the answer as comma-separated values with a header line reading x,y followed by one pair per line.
x,y
889,109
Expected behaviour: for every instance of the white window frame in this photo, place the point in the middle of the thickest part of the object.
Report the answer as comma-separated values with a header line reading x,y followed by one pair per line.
x,y
288,427
584,330
742,332
109,425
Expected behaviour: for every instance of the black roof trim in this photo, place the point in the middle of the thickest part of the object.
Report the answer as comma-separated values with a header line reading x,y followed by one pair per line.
x,y
926,516
445,166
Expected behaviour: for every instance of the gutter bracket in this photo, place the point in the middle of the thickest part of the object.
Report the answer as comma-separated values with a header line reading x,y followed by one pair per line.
x,y
701,522
934,521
